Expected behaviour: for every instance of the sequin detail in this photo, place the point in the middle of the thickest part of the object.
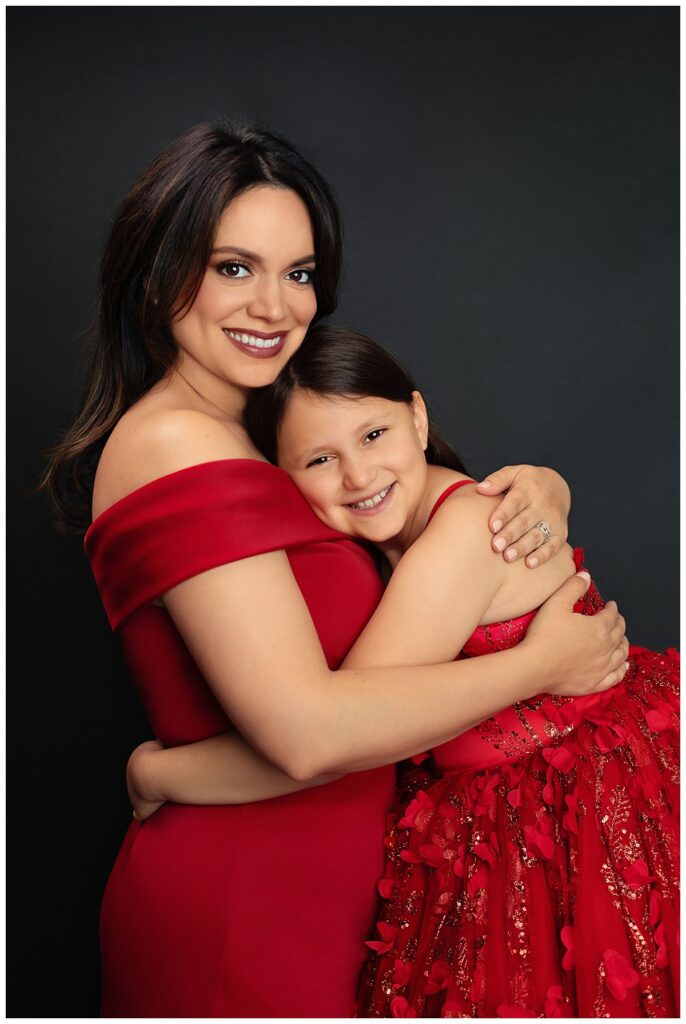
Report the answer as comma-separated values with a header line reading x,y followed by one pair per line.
x,y
534,861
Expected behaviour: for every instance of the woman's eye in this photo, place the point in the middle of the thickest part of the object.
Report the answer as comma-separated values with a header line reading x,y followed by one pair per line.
x,y
373,435
235,271
303,275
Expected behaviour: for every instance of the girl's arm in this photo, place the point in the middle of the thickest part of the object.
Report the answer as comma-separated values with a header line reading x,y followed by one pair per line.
x,y
273,681
227,770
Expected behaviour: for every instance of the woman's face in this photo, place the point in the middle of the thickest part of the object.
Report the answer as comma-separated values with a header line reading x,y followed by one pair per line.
x,y
257,297
359,462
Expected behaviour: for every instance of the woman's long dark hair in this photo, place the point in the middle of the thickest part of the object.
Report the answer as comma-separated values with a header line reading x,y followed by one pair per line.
x,y
152,268
335,361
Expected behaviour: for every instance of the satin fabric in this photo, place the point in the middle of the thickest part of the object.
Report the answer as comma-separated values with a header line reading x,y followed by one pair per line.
x,y
255,910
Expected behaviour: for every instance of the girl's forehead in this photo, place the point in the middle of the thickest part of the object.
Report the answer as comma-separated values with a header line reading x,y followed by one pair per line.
x,y
304,401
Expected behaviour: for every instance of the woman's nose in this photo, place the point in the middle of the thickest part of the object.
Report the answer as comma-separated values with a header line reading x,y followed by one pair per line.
x,y
267,301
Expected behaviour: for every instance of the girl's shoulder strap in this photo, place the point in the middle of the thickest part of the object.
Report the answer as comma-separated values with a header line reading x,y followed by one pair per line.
x,y
446,494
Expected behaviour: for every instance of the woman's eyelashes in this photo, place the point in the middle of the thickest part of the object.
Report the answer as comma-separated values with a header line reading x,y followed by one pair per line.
x,y
236,271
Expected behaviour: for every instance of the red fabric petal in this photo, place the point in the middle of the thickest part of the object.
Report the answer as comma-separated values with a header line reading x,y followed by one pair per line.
x,y
567,936
432,855
420,803
636,875
658,720
385,888
514,1011
478,881
538,844
401,1008
514,797
401,974
560,758
440,977
486,852
620,975
662,956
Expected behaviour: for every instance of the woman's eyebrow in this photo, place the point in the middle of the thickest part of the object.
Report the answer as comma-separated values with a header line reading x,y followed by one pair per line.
x,y
246,254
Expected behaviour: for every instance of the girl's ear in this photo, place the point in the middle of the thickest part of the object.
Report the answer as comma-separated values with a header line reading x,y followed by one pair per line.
x,y
421,419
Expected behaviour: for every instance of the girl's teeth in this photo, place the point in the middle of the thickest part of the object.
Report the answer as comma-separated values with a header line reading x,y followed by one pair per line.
x,y
253,342
371,502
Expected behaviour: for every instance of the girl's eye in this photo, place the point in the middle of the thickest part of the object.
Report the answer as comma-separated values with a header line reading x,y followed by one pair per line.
x,y
303,275
234,271
319,461
374,435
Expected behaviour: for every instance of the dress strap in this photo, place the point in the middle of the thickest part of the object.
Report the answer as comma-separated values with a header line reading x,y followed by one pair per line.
x,y
446,494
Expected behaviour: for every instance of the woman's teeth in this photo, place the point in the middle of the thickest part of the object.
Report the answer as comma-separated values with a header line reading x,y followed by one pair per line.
x,y
371,502
253,342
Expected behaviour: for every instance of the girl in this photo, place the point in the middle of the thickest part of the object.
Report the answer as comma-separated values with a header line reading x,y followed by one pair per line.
x,y
537,875
210,562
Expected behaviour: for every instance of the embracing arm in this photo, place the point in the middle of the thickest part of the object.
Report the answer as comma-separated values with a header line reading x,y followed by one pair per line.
x,y
286,701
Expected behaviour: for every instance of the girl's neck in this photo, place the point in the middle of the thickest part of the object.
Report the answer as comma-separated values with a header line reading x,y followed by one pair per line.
x,y
438,478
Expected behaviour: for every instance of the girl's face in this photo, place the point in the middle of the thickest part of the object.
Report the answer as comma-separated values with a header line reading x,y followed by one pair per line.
x,y
257,298
359,462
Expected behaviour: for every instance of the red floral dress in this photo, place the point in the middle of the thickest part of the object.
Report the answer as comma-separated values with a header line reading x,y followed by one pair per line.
x,y
537,876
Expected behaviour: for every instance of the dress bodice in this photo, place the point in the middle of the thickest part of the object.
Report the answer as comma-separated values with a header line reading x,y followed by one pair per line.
x,y
187,522
527,725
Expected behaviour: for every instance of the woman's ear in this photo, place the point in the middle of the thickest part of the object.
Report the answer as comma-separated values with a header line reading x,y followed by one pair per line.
x,y
421,419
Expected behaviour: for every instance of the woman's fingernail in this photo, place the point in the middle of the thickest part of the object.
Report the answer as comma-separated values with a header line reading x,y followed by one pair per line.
x,y
584,575
497,525
532,563
510,554
500,544
485,483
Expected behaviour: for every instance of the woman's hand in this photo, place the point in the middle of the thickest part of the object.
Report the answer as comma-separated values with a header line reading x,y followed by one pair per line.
x,y
585,653
138,781
535,494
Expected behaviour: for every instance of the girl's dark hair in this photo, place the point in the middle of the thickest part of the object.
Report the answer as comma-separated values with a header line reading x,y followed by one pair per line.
x,y
152,269
335,361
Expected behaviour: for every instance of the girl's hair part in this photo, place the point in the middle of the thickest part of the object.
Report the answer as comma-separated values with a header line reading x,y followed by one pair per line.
x,y
152,269
336,361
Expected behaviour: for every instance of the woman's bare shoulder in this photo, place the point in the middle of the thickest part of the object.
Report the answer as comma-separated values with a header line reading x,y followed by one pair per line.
x,y
152,440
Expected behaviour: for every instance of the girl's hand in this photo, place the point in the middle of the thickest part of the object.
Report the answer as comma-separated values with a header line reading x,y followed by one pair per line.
x,y
535,494
585,653
144,803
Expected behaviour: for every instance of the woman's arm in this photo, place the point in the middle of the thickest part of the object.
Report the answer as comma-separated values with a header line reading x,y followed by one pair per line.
x,y
249,630
225,769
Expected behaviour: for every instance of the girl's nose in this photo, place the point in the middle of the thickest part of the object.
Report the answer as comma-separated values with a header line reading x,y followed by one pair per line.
x,y
358,474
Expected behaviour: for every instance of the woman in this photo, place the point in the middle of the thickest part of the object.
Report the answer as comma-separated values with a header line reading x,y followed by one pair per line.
x,y
208,560
539,874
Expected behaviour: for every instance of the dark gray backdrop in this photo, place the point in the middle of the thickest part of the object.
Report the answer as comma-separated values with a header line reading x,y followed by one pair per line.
x,y
509,185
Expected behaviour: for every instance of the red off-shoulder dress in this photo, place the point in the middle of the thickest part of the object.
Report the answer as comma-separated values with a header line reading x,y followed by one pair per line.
x,y
254,910
538,875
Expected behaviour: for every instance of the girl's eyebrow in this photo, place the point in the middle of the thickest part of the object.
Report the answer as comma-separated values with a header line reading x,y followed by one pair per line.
x,y
312,453
254,258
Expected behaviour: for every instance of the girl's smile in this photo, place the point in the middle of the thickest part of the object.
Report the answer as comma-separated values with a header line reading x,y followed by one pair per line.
x,y
360,464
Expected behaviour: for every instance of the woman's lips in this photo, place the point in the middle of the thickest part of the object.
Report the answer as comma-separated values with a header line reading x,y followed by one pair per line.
x,y
256,344
377,501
